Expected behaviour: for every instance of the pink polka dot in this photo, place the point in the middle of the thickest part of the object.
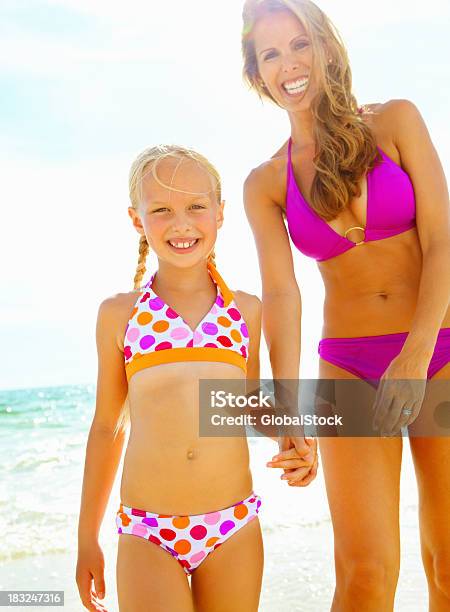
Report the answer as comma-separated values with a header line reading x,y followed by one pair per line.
x,y
226,527
214,310
146,342
198,337
145,297
179,333
198,532
234,314
139,530
133,334
243,351
211,345
127,352
244,330
219,301
163,345
190,344
171,313
197,557
212,518
156,303
210,328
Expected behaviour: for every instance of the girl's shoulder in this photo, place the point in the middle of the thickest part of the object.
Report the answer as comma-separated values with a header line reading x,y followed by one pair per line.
x,y
115,312
249,305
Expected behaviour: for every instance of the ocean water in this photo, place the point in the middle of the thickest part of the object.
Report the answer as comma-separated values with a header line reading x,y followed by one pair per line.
x,y
42,440
43,435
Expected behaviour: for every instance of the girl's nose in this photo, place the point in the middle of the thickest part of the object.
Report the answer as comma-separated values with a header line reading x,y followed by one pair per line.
x,y
181,223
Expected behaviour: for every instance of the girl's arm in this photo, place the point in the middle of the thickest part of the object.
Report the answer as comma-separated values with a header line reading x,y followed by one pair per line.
x,y
104,448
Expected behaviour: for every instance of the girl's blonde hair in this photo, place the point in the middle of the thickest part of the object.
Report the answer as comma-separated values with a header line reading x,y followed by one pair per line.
x,y
346,147
147,162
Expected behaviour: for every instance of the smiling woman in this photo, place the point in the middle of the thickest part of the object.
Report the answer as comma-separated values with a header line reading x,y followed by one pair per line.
x,y
364,194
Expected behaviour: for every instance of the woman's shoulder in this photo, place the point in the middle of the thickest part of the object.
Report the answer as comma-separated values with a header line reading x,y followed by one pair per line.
x,y
268,178
387,118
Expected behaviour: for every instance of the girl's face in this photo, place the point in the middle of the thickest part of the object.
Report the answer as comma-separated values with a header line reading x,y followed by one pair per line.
x,y
180,228
284,60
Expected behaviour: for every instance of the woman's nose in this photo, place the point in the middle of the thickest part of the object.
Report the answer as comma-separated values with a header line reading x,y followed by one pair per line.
x,y
290,63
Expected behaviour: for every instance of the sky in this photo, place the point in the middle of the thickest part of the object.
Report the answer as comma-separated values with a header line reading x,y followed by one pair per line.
x,y
87,85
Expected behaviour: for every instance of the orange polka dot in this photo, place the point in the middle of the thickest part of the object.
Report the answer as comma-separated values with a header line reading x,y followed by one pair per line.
x,y
236,335
180,522
182,547
211,541
161,326
240,511
125,519
224,321
134,311
144,318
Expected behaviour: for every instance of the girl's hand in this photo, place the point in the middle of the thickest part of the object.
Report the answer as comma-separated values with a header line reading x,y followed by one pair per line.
x,y
299,461
402,388
91,566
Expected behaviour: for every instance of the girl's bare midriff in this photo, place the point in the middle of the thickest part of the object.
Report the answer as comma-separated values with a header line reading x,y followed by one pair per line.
x,y
168,467
372,288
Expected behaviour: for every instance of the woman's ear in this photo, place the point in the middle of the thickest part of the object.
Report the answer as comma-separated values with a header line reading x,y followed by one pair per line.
x,y
135,218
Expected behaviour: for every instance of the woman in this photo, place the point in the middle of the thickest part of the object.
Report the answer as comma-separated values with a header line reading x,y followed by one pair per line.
x,y
364,193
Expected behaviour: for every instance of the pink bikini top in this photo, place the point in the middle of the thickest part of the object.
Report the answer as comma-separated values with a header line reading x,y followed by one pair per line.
x,y
156,334
391,210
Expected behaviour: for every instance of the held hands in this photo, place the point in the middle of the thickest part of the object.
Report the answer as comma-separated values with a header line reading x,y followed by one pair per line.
x,y
399,395
298,458
91,566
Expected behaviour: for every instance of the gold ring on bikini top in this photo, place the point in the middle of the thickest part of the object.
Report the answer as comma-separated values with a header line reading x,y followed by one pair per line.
x,y
356,227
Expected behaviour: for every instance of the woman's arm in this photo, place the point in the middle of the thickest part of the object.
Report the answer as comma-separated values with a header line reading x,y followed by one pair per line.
x,y
420,160
104,448
281,301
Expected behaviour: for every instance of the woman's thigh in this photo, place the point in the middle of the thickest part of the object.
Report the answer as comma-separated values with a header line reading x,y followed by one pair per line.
x,y
230,577
149,578
362,477
431,456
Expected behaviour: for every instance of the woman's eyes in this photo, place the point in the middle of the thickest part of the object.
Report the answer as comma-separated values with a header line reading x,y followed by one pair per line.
x,y
299,46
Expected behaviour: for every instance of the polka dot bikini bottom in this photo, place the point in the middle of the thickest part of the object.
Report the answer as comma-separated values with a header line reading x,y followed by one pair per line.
x,y
188,538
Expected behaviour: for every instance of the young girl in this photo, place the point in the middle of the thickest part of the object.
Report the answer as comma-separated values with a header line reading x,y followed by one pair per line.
x,y
188,499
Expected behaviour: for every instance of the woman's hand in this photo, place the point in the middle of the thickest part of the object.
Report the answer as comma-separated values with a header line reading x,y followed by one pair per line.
x,y
399,395
298,458
91,566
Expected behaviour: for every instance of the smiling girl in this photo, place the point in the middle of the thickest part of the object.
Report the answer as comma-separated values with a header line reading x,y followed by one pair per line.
x,y
187,502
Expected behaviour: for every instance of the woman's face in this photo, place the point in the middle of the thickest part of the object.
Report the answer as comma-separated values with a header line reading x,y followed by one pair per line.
x,y
284,60
181,228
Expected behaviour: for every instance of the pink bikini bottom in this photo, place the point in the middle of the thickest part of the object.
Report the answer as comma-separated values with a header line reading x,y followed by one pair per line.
x,y
188,538
368,357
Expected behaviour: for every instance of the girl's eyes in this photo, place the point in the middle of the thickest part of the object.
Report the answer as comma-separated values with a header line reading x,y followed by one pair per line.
x,y
163,208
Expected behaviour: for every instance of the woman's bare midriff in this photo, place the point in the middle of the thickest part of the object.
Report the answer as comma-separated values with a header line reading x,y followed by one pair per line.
x,y
168,467
372,289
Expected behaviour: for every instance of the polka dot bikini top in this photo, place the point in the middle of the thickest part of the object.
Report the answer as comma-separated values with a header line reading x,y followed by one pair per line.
x,y
156,334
